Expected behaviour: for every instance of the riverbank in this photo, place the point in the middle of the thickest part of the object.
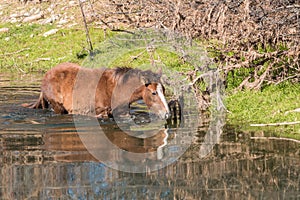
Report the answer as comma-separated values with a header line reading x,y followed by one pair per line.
x,y
272,111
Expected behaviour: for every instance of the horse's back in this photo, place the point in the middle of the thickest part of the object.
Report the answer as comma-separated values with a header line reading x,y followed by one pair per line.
x,y
67,81
61,73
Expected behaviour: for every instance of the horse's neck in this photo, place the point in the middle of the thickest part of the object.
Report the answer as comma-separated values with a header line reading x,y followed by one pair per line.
x,y
137,95
124,94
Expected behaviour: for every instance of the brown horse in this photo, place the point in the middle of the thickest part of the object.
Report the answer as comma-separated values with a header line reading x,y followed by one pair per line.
x,y
69,88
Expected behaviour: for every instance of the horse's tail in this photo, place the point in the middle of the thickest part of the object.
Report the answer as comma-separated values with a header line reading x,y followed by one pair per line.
x,y
40,103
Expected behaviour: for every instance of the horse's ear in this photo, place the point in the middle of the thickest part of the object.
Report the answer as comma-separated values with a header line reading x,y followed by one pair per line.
x,y
159,71
143,81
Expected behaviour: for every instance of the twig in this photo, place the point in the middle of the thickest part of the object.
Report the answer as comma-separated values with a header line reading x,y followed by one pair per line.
x,y
276,124
295,110
137,56
197,79
12,53
42,59
121,30
276,138
86,27
287,78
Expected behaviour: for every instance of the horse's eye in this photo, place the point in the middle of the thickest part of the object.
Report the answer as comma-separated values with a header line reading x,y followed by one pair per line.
x,y
154,93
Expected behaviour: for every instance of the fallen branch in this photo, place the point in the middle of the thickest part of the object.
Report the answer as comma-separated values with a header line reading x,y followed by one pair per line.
x,y
88,39
276,124
137,56
287,78
290,111
275,138
12,53
197,79
42,59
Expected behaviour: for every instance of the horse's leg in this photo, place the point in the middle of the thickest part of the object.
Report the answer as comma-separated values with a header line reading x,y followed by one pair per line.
x,y
40,103
58,108
103,112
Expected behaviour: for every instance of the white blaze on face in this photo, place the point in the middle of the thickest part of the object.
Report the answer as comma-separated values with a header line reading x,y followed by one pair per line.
x,y
161,95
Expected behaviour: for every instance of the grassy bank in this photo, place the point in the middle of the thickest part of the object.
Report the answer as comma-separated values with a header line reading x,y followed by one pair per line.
x,y
25,49
274,105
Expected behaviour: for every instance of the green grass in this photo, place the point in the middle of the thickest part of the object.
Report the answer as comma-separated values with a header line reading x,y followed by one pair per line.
x,y
271,105
139,58
132,51
25,49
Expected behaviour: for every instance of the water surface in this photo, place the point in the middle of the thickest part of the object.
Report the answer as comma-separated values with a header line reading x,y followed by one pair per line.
x,y
42,156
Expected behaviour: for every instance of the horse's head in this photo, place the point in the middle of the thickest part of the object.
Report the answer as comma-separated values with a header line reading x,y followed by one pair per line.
x,y
138,84
154,98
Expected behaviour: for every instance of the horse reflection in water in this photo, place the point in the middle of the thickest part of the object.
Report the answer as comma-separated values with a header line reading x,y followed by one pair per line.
x,y
71,89
70,147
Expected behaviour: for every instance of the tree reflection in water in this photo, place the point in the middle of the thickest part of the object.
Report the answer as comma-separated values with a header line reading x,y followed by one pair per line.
x,y
57,165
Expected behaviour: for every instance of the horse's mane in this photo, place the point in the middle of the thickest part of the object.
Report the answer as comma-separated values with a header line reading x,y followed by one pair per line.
x,y
125,73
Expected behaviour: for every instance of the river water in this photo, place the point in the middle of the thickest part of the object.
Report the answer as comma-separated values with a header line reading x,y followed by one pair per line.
x,y
44,156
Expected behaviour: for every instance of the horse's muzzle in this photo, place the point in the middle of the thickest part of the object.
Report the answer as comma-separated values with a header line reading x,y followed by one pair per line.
x,y
167,115
164,115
